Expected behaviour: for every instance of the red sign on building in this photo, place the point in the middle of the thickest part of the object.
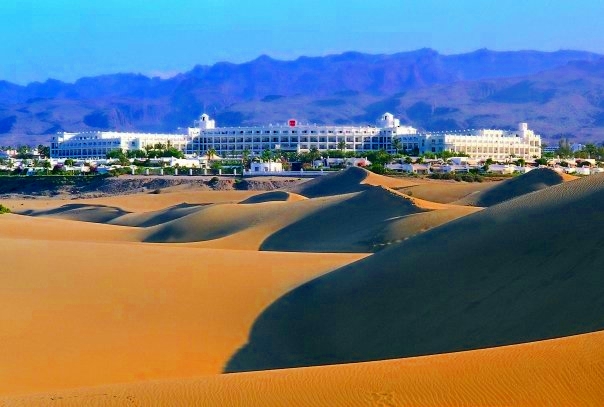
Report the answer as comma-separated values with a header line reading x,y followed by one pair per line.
x,y
292,122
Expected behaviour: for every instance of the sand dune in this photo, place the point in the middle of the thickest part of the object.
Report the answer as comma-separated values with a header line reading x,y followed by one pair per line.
x,y
503,275
221,221
273,196
143,202
345,223
351,225
90,304
353,179
40,228
276,221
413,224
81,212
154,218
560,372
446,192
534,180
81,313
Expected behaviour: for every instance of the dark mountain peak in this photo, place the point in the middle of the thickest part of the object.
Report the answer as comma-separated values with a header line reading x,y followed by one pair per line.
x,y
263,58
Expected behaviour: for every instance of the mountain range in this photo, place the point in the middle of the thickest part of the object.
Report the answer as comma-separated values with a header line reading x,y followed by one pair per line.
x,y
560,94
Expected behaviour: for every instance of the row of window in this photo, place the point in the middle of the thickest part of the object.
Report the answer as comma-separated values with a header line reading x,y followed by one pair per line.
x,y
270,146
222,132
289,139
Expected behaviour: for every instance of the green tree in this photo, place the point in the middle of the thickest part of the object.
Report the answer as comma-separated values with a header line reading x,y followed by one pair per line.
x,y
397,145
314,154
266,155
115,154
136,154
342,146
564,149
245,159
47,166
44,151
379,157
591,150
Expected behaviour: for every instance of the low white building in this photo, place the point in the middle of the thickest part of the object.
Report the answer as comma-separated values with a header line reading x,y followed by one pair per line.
x,y
266,166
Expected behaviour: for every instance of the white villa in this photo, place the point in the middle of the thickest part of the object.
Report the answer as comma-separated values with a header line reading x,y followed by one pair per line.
x,y
301,137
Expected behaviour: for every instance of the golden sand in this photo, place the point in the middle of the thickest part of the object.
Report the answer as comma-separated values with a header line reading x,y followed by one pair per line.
x,y
561,372
151,324
84,313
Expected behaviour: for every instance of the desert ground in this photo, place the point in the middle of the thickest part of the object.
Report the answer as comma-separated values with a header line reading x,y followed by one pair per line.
x,y
347,289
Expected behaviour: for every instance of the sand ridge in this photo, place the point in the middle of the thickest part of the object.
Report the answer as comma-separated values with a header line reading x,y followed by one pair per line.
x,y
561,372
532,181
273,196
353,179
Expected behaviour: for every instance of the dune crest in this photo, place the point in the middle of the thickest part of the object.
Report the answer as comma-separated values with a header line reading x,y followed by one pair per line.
x,y
352,179
273,196
532,181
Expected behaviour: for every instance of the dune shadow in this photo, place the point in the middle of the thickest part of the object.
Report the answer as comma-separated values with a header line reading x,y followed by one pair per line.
x,y
267,197
532,181
508,274
81,212
353,225
335,183
154,218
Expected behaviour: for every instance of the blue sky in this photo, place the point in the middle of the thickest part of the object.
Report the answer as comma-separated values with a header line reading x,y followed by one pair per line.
x,y
68,39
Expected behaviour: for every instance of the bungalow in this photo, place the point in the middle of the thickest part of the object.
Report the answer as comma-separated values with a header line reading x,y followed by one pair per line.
x,y
416,168
268,166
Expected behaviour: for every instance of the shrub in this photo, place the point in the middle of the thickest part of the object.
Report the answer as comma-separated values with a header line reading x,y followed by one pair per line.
x,y
4,209
214,181
377,168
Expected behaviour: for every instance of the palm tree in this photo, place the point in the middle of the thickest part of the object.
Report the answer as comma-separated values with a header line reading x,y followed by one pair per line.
x,y
314,154
245,158
342,146
47,166
397,145
267,155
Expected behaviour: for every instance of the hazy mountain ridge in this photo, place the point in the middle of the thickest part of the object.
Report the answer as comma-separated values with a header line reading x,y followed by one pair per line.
x,y
558,93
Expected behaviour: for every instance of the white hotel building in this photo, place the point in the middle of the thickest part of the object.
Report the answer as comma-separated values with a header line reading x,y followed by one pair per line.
x,y
481,144
96,144
294,136
299,137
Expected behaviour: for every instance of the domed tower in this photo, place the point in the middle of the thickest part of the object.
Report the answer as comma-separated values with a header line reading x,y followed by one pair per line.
x,y
206,123
387,121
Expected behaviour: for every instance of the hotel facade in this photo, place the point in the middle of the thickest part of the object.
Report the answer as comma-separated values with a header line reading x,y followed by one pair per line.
x,y
96,144
299,137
